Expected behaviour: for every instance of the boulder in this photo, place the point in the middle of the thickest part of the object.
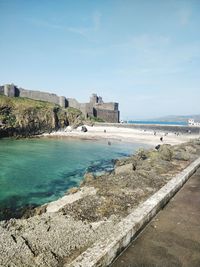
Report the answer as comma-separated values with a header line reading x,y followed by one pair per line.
x,y
157,147
68,129
84,129
124,168
181,155
166,152
190,149
142,154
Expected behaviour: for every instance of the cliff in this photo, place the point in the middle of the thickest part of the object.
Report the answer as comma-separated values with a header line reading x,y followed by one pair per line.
x,y
108,112
25,117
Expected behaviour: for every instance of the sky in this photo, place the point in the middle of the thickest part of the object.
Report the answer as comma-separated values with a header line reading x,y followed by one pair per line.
x,y
144,54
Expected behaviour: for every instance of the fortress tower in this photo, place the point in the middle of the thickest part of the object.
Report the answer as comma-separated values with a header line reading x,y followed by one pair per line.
x,y
10,90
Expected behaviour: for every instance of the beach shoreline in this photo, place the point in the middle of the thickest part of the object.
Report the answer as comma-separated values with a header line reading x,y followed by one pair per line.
x,y
124,134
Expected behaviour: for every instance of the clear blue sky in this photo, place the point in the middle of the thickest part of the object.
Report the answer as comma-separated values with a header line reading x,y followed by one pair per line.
x,y
144,54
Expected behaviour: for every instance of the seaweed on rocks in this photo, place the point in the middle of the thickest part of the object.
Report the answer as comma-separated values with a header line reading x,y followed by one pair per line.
x,y
56,238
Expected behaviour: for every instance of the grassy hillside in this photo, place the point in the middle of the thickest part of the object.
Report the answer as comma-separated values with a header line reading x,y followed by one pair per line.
x,y
25,117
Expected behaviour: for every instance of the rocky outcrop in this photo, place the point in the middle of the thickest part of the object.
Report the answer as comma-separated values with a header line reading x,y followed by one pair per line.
x,y
26,117
124,168
57,236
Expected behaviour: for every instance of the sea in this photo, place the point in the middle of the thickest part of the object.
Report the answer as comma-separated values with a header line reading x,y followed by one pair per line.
x,y
178,123
36,171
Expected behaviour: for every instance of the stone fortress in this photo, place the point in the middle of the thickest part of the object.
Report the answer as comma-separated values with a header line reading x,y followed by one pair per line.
x,y
108,112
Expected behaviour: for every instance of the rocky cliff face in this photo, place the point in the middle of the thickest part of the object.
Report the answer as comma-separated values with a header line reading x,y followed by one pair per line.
x,y
26,117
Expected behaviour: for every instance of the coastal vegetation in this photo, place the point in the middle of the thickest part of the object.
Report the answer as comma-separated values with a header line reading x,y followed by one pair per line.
x,y
95,119
26,117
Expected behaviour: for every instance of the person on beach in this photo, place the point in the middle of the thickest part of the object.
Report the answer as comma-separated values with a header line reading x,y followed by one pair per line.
x,y
161,139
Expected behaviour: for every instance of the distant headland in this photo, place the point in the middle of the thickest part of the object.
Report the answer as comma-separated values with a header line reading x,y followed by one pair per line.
x,y
108,112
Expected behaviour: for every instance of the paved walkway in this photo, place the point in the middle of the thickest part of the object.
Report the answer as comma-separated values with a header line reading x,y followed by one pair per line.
x,y
172,239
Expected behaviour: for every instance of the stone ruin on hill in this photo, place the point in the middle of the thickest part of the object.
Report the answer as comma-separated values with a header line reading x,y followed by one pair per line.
x,y
108,112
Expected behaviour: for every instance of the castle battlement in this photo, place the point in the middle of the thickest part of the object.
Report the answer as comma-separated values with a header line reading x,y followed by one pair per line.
x,y
109,112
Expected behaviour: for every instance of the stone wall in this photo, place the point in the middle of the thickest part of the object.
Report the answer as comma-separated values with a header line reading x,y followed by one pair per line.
x,y
72,102
96,107
37,95
85,108
9,90
107,115
89,109
107,106
1,90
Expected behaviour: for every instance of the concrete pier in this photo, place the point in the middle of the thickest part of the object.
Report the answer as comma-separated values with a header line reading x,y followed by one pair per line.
x,y
104,251
172,238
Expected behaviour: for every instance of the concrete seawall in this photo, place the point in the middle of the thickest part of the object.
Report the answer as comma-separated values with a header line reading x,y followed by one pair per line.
x,y
103,252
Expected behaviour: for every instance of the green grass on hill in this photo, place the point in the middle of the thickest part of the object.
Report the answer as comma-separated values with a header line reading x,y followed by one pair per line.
x,y
22,102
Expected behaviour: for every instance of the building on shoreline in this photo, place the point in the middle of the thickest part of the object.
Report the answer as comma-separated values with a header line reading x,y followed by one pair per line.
x,y
192,122
108,112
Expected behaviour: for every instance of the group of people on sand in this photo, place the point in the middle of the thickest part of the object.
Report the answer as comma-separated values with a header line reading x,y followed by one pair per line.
x,y
161,138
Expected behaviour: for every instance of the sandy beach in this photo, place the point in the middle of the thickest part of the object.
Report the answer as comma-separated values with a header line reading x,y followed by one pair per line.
x,y
123,134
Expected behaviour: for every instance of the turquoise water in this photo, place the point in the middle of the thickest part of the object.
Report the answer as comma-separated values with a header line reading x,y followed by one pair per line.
x,y
36,171
160,122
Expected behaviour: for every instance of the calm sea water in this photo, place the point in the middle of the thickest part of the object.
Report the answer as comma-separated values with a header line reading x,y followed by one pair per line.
x,y
160,122
35,171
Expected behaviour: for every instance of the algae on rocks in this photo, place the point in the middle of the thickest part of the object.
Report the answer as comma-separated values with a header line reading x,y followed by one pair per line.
x,y
56,238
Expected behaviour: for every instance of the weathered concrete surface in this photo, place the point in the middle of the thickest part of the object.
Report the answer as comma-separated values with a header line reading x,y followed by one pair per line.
x,y
103,252
61,202
46,240
173,236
